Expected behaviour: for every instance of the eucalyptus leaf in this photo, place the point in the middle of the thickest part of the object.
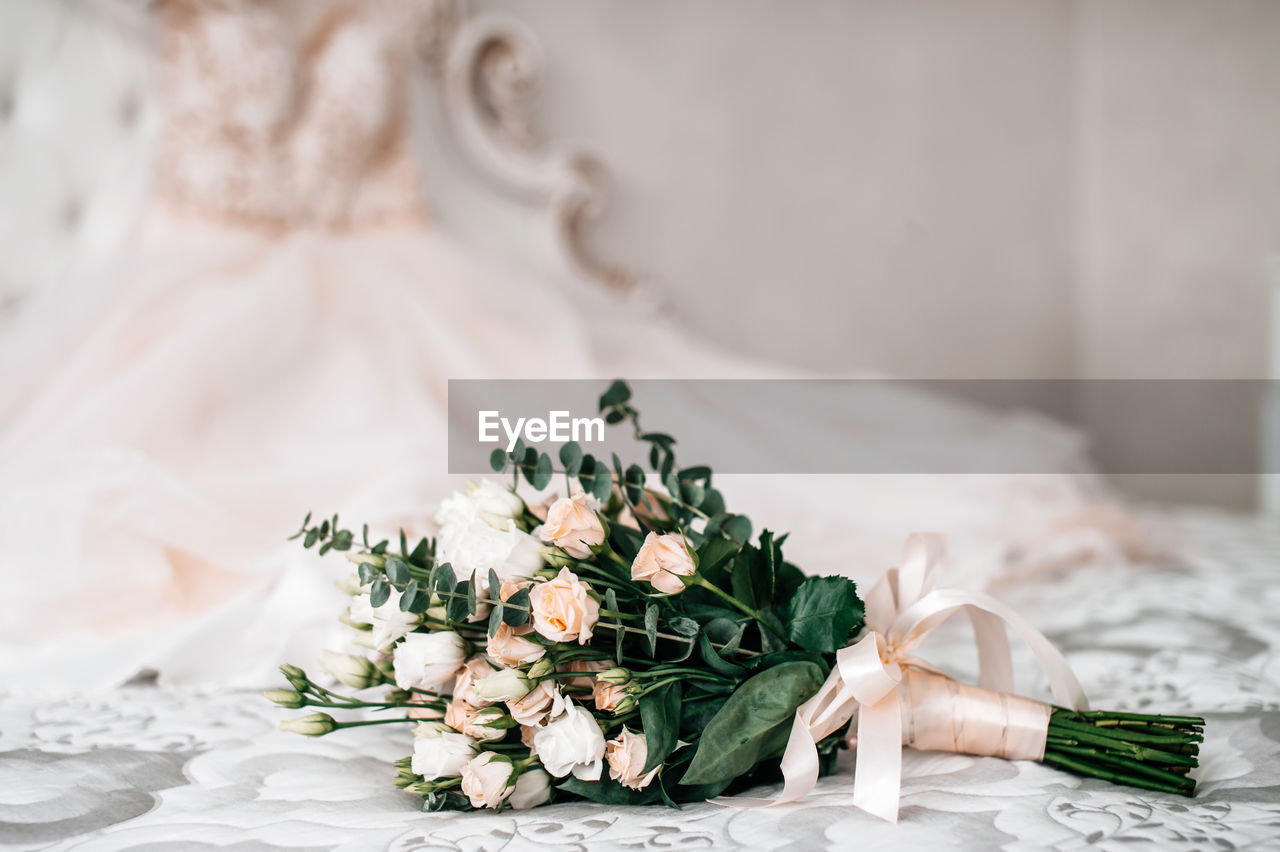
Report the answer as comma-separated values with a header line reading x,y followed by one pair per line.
x,y
753,725
617,393
406,597
542,474
456,603
366,573
516,608
651,627
498,460
379,592
571,458
397,572
495,586
495,619
602,485
738,528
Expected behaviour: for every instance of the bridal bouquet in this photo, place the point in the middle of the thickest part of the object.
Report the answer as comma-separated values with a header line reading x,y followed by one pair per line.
x,y
633,642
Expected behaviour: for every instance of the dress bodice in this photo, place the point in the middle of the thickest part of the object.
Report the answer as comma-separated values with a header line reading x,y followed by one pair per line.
x,y
286,113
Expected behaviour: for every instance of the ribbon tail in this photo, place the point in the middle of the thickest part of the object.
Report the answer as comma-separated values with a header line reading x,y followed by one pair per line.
x,y
995,659
877,778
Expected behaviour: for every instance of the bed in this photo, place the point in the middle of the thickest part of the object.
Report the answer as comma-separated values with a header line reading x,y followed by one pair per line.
x,y
144,767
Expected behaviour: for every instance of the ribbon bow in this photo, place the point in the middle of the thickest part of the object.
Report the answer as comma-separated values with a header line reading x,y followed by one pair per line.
x,y
902,609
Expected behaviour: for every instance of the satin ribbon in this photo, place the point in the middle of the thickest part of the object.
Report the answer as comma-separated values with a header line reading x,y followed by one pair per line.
x,y
901,611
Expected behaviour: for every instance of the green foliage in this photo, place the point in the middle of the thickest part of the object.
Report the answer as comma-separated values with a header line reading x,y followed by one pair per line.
x,y
660,718
754,723
822,613
606,791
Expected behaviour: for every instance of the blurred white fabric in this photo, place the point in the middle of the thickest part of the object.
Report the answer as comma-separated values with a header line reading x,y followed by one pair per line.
x,y
278,339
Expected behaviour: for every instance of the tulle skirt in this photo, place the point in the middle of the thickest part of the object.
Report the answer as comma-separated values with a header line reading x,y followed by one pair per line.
x,y
166,424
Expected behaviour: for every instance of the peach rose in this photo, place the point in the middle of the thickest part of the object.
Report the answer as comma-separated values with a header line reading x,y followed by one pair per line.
x,y
563,611
507,647
607,696
526,736
589,667
662,561
481,723
573,527
543,700
626,755
476,669
486,779
457,713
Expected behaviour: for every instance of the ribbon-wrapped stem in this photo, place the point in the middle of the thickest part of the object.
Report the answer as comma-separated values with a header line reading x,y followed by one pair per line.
x,y
900,700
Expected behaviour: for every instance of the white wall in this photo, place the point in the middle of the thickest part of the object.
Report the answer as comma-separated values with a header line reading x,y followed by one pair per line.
x,y
1031,188
833,182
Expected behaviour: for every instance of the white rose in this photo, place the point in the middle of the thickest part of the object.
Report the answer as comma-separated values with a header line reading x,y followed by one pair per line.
x,y
495,502
571,743
389,622
441,754
355,672
486,780
504,685
428,660
533,788
473,548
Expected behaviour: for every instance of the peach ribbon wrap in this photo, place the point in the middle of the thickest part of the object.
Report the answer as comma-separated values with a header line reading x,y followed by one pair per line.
x,y
894,694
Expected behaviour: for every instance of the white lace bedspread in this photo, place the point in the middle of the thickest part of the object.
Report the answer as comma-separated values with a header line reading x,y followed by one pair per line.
x,y
149,768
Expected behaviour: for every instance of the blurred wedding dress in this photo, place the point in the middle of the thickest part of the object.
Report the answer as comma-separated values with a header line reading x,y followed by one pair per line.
x,y
278,338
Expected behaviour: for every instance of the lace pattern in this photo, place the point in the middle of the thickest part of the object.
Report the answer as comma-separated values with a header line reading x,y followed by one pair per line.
x,y
289,114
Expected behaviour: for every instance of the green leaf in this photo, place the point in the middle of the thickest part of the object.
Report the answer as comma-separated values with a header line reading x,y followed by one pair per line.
x,y
422,553
617,394
310,539
606,791
738,528
407,596
495,619
367,572
571,458
379,592
456,604
516,608
602,485
748,576
717,663
542,475
626,541
471,596
634,482
713,555
753,725
822,613
651,627
660,718
529,465
498,460
445,579
397,572
683,626
495,586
